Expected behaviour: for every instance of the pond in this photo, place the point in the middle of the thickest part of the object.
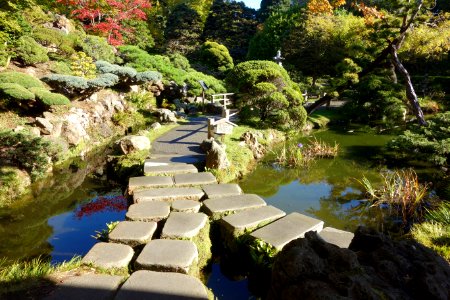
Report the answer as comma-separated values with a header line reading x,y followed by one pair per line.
x,y
58,220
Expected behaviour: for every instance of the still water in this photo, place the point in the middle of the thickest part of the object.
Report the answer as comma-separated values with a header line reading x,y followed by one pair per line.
x,y
60,217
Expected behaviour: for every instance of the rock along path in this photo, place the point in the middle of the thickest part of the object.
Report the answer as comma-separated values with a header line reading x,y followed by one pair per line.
x,y
164,244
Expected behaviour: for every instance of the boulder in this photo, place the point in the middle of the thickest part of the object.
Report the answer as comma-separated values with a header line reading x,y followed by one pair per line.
x,y
166,116
45,125
73,130
251,140
155,126
374,267
206,145
216,157
133,143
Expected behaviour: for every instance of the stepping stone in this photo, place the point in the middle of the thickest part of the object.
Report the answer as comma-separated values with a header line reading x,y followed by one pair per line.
x,y
194,179
169,169
337,237
87,286
168,194
133,233
176,158
289,228
239,222
149,211
221,190
219,206
168,256
187,206
161,286
183,225
140,182
109,255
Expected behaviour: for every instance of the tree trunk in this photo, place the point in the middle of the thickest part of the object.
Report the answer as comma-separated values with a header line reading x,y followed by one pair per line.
x,y
410,92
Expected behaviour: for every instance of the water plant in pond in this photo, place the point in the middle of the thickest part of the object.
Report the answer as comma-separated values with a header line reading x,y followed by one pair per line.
x,y
402,193
103,234
440,214
262,253
297,155
102,204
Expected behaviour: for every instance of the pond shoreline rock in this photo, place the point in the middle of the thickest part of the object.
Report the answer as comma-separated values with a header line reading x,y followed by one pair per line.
x,y
374,267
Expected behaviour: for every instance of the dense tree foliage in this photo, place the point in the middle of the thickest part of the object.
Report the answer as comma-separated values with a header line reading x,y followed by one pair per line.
x,y
216,57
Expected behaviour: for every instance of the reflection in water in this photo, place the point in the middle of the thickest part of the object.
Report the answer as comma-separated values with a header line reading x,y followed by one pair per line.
x,y
328,189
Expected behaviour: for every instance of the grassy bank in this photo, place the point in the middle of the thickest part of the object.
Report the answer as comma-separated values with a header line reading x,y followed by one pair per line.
x,y
240,155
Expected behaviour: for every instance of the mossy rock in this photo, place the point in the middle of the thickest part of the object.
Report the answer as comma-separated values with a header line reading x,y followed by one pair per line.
x,y
14,182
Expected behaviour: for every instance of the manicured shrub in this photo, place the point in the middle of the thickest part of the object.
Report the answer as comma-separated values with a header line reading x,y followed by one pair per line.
x,y
266,87
15,91
98,48
216,56
122,72
179,61
48,98
192,80
29,52
65,44
147,76
103,81
60,67
25,80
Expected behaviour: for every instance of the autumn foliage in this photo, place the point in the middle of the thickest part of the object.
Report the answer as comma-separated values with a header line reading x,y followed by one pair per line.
x,y
108,17
324,6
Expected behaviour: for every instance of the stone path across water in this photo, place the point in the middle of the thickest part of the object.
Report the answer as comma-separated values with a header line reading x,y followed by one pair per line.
x,y
167,209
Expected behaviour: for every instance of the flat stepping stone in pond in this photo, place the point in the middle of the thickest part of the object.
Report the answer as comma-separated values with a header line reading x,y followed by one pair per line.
x,y
217,207
181,225
148,211
221,190
168,256
175,158
187,206
168,194
162,286
337,237
239,222
87,286
109,255
194,179
289,228
169,169
141,182
133,233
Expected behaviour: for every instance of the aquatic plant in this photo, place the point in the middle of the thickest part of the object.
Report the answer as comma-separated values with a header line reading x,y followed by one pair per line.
x,y
262,253
440,214
403,194
299,155
104,233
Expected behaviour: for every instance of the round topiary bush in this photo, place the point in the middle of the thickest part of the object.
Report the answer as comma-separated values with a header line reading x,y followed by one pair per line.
x,y
48,98
29,52
216,56
25,80
14,91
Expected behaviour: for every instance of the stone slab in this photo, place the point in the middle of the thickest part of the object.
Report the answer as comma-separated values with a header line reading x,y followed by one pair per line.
x,y
251,219
219,206
176,158
133,233
169,169
337,237
87,286
168,194
109,255
194,179
161,286
187,206
221,190
183,225
141,182
168,256
291,227
149,211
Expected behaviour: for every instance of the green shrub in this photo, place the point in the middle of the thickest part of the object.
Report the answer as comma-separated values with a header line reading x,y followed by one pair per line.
x,y
179,61
15,91
103,81
266,87
122,72
60,67
141,100
29,52
98,48
216,56
427,143
82,65
440,214
192,79
30,153
147,76
25,80
48,98
49,37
